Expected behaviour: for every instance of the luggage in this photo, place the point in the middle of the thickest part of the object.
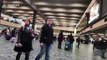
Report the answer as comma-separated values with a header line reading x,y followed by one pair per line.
x,y
8,37
18,47
68,46
13,39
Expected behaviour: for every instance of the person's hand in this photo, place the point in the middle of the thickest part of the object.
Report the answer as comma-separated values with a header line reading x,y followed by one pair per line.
x,y
32,35
41,44
19,45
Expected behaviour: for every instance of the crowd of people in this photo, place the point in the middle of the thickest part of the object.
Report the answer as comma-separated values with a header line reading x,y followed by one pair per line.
x,y
9,33
23,38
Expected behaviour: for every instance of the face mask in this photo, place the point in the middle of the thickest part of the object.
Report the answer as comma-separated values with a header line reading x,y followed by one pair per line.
x,y
27,25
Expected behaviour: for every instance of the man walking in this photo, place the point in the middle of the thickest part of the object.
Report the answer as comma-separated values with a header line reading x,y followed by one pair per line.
x,y
46,40
60,39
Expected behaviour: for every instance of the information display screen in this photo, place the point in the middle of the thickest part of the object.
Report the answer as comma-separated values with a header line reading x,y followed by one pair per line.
x,y
94,12
104,7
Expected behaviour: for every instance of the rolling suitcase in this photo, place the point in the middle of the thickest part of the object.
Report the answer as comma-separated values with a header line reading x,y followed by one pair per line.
x,y
68,46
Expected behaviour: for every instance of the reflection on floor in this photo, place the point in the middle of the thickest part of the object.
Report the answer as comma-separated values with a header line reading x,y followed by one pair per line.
x,y
84,53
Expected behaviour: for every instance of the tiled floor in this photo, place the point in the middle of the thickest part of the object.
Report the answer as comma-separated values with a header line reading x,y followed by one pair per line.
x,y
84,53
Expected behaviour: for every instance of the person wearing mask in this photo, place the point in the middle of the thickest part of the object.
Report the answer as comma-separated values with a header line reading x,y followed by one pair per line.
x,y
46,39
78,40
7,34
103,47
24,41
60,39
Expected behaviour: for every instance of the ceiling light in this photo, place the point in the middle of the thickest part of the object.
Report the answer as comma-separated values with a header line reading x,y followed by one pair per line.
x,y
48,13
51,17
26,15
20,11
16,14
41,3
24,7
62,14
75,15
60,10
73,18
30,12
9,10
58,4
45,9
76,10
77,5
19,2
54,20
62,17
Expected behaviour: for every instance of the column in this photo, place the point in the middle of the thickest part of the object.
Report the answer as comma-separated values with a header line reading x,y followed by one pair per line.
x,y
1,4
75,31
34,19
87,16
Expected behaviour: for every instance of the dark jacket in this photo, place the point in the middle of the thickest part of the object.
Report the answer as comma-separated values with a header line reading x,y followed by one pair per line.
x,y
78,40
96,44
103,44
60,37
25,38
46,34
13,33
70,38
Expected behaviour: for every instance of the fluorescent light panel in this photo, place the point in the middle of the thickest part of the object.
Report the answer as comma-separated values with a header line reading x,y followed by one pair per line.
x,y
59,4
61,10
75,15
22,7
76,10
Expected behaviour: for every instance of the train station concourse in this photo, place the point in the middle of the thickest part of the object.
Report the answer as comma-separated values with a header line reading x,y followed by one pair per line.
x,y
53,29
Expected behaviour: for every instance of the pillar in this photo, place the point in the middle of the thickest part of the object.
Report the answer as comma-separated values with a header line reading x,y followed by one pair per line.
x,y
75,31
1,4
34,19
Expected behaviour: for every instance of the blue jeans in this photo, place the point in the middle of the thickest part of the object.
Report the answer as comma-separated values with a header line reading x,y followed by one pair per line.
x,y
44,50
103,51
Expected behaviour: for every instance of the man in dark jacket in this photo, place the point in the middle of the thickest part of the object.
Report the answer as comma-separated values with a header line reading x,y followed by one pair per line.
x,y
60,39
78,40
103,46
46,40
71,38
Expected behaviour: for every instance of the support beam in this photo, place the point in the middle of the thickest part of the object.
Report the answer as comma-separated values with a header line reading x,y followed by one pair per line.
x,y
34,19
75,31
87,10
1,4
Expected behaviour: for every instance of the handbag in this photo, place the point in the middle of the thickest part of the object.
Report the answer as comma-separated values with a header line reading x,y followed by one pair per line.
x,y
18,47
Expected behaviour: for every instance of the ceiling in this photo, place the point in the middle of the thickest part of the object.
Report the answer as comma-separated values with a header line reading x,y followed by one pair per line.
x,y
64,13
17,8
